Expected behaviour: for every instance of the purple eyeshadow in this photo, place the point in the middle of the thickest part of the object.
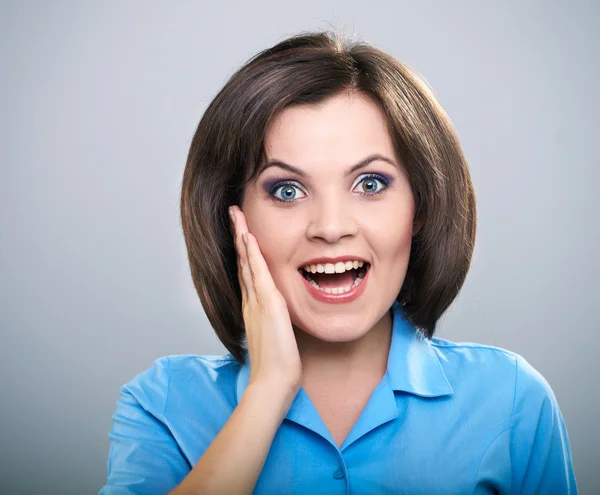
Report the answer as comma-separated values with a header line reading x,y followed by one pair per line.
x,y
270,185
386,178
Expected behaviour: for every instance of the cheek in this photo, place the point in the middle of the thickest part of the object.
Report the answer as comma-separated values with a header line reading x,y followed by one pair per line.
x,y
390,230
391,243
275,235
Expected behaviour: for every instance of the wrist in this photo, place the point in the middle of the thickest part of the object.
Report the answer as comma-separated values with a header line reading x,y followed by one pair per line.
x,y
274,390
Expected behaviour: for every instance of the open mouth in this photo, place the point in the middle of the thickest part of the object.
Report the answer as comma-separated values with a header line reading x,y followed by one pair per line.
x,y
324,278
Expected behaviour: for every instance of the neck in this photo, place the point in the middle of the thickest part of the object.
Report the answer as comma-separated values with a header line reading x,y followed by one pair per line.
x,y
344,361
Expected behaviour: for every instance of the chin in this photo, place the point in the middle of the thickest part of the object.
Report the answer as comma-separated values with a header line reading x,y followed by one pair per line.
x,y
338,332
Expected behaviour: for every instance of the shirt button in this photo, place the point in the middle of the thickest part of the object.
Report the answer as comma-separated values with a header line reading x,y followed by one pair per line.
x,y
338,474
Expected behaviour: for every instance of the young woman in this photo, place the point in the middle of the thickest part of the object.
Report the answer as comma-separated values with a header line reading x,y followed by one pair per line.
x,y
329,219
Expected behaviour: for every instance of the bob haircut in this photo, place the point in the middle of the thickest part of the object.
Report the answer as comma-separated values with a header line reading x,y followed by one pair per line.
x,y
227,150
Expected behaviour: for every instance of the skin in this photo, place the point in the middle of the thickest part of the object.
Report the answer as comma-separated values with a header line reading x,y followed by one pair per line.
x,y
337,352
326,215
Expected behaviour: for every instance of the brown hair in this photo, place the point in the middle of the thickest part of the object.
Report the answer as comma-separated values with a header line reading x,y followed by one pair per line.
x,y
228,149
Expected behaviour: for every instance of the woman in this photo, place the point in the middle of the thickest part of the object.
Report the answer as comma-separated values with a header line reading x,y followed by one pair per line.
x,y
352,228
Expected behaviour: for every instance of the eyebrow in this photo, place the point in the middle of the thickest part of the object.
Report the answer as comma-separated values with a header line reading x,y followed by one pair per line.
x,y
352,169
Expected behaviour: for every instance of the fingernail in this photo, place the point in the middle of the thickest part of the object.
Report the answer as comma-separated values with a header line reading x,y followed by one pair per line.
x,y
231,214
245,238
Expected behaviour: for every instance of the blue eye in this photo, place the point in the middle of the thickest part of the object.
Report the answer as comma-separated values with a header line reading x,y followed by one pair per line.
x,y
373,184
287,191
284,191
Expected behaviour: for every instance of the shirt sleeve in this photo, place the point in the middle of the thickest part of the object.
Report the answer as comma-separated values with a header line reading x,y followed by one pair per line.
x,y
539,445
144,457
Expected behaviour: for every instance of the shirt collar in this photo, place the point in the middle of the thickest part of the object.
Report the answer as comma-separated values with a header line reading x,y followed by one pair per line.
x,y
413,365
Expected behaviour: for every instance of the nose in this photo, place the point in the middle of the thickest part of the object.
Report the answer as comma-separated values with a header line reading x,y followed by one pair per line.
x,y
330,220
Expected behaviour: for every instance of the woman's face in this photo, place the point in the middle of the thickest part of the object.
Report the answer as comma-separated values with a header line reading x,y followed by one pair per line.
x,y
324,209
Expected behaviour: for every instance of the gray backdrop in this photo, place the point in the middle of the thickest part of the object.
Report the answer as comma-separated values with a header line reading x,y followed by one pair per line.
x,y
98,104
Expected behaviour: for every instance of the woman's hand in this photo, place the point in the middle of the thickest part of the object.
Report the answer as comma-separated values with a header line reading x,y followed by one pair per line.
x,y
272,346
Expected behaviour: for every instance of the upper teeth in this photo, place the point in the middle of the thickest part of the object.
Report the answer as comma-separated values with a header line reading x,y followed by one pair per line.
x,y
339,267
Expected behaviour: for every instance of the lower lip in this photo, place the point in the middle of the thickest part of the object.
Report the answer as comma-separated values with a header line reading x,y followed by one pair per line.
x,y
346,297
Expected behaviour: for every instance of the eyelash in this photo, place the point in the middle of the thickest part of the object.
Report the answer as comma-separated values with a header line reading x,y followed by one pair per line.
x,y
386,183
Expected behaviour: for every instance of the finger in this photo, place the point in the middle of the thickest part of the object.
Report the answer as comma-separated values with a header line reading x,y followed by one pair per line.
x,y
259,282
240,219
241,282
261,278
263,283
239,253
244,275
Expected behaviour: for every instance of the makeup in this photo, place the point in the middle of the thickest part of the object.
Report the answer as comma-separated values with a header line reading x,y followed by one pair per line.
x,y
354,293
273,185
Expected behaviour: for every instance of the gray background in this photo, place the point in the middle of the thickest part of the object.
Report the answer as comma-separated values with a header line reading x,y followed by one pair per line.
x,y
98,104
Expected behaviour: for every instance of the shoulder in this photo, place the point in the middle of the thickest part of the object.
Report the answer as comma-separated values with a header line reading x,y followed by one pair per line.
x,y
181,377
470,356
493,366
515,412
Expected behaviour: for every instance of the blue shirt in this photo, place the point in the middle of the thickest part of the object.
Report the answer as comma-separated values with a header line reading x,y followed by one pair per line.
x,y
451,418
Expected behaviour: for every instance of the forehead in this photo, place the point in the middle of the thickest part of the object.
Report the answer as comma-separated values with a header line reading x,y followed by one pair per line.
x,y
343,127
